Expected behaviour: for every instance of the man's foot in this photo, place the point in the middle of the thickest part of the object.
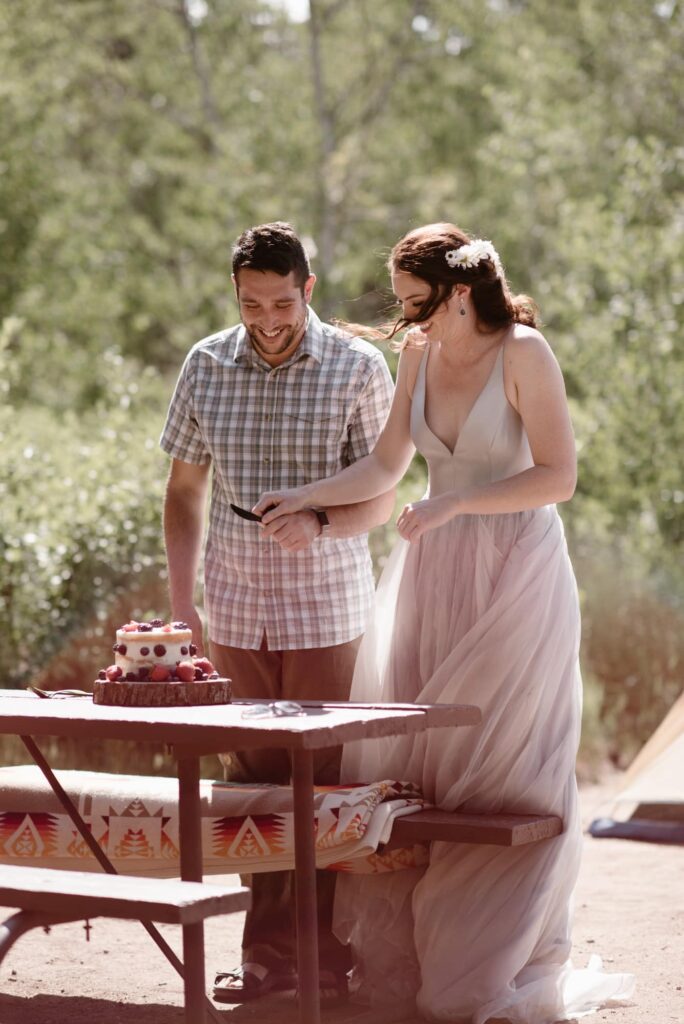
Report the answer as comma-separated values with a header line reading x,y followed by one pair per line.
x,y
252,981
333,986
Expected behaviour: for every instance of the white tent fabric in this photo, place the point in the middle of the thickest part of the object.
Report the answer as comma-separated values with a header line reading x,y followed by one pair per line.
x,y
650,802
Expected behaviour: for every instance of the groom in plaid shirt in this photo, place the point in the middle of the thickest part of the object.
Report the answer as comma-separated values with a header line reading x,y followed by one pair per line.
x,y
275,402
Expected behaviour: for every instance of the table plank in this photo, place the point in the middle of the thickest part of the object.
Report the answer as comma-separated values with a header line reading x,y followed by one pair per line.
x,y
212,729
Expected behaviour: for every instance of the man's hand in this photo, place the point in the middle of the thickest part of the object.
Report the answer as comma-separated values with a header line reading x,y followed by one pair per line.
x,y
294,532
190,615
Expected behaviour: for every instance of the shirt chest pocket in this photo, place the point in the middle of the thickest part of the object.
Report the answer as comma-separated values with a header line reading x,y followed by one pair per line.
x,y
315,436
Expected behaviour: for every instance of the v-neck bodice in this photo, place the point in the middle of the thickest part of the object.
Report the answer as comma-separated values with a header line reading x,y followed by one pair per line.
x,y
491,445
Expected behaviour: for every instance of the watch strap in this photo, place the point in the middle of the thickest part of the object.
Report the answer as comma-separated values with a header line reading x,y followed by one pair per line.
x,y
322,517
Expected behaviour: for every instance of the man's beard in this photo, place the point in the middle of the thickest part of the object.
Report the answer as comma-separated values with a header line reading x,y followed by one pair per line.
x,y
288,338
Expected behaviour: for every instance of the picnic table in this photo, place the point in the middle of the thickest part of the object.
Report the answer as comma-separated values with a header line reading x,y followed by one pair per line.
x,y
192,732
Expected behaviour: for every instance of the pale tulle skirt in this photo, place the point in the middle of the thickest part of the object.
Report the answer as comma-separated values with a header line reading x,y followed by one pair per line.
x,y
483,610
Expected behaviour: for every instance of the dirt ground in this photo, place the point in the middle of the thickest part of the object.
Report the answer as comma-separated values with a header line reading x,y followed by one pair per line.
x,y
629,909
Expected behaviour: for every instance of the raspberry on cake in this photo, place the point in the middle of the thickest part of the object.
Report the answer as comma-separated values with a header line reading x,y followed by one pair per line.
x,y
185,670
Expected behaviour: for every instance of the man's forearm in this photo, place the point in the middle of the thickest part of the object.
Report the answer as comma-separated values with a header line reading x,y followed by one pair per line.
x,y
350,520
183,536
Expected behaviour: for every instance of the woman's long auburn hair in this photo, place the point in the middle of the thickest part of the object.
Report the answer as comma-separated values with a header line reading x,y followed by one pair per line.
x,y
422,252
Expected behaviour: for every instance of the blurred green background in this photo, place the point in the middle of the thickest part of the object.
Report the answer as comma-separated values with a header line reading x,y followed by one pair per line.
x,y
139,137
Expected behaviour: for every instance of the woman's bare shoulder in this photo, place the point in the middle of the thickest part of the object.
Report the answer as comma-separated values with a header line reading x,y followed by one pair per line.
x,y
526,348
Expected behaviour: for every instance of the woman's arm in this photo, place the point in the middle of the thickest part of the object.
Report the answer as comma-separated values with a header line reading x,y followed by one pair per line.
x,y
537,392
369,477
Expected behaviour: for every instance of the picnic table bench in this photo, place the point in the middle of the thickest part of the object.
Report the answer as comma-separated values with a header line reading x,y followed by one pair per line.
x,y
124,815
46,896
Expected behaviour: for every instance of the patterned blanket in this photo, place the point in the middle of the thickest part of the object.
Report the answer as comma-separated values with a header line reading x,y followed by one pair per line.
x,y
245,828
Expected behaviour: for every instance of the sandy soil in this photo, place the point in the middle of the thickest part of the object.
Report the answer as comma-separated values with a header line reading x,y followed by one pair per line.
x,y
629,910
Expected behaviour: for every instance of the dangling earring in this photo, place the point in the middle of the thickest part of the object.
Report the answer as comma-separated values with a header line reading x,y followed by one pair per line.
x,y
462,310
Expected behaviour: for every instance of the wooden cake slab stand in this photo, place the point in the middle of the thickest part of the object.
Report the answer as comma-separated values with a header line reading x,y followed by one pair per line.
x,y
160,695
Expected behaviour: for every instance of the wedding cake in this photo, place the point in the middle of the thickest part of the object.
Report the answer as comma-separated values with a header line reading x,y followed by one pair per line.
x,y
156,664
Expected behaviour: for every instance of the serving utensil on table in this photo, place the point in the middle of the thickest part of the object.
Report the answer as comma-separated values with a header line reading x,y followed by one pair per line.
x,y
59,693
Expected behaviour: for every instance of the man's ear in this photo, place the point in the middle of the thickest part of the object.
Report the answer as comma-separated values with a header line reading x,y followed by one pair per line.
x,y
309,287
235,284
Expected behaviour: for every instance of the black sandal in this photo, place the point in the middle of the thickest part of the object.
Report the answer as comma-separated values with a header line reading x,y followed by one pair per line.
x,y
333,986
251,981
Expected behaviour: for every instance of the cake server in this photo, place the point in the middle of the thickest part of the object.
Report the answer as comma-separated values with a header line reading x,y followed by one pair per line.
x,y
59,693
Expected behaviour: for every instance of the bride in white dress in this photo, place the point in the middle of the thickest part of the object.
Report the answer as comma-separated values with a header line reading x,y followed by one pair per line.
x,y
477,604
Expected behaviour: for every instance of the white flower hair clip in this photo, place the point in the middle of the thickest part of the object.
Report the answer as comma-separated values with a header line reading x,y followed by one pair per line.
x,y
472,254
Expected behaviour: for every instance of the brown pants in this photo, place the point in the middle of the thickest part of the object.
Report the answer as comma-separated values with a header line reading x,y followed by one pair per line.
x,y
323,673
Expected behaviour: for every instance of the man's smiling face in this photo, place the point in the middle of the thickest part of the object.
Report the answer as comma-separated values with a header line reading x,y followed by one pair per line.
x,y
273,309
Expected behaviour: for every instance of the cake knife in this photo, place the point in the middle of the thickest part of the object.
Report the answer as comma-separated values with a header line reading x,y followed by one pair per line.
x,y
246,514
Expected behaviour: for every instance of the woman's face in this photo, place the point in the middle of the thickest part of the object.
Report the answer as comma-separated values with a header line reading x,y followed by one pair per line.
x,y
412,292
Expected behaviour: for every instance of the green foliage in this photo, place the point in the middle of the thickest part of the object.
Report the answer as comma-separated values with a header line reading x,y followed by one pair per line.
x,y
81,524
137,139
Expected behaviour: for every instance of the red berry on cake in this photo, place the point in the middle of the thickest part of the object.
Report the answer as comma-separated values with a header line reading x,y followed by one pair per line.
x,y
113,672
160,650
204,664
185,670
131,627
159,674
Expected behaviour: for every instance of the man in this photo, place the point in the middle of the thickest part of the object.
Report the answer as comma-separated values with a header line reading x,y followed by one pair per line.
x,y
274,402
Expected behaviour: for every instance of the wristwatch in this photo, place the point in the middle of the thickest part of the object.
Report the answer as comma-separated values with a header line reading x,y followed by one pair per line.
x,y
322,517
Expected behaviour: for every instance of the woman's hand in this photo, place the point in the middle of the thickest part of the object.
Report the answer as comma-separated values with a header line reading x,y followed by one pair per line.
x,y
281,503
421,516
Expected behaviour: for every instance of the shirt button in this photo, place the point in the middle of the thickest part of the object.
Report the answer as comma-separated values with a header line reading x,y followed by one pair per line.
x,y
267,460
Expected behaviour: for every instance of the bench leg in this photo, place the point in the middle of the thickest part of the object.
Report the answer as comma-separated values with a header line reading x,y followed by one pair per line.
x,y
23,921
305,887
189,815
193,981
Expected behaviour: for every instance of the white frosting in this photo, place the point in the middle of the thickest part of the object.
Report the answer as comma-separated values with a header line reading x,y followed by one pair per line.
x,y
176,644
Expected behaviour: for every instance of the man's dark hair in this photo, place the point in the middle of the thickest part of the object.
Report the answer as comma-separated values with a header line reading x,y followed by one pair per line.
x,y
273,247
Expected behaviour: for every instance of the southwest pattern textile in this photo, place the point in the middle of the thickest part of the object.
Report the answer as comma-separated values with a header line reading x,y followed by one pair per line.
x,y
245,828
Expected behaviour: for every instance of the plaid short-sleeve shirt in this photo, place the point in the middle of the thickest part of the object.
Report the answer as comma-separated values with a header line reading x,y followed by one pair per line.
x,y
265,428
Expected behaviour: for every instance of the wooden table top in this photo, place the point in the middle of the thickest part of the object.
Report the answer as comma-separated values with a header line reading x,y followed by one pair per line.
x,y
211,729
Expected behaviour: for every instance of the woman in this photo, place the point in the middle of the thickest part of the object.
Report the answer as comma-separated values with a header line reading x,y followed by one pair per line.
x,y
478,604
